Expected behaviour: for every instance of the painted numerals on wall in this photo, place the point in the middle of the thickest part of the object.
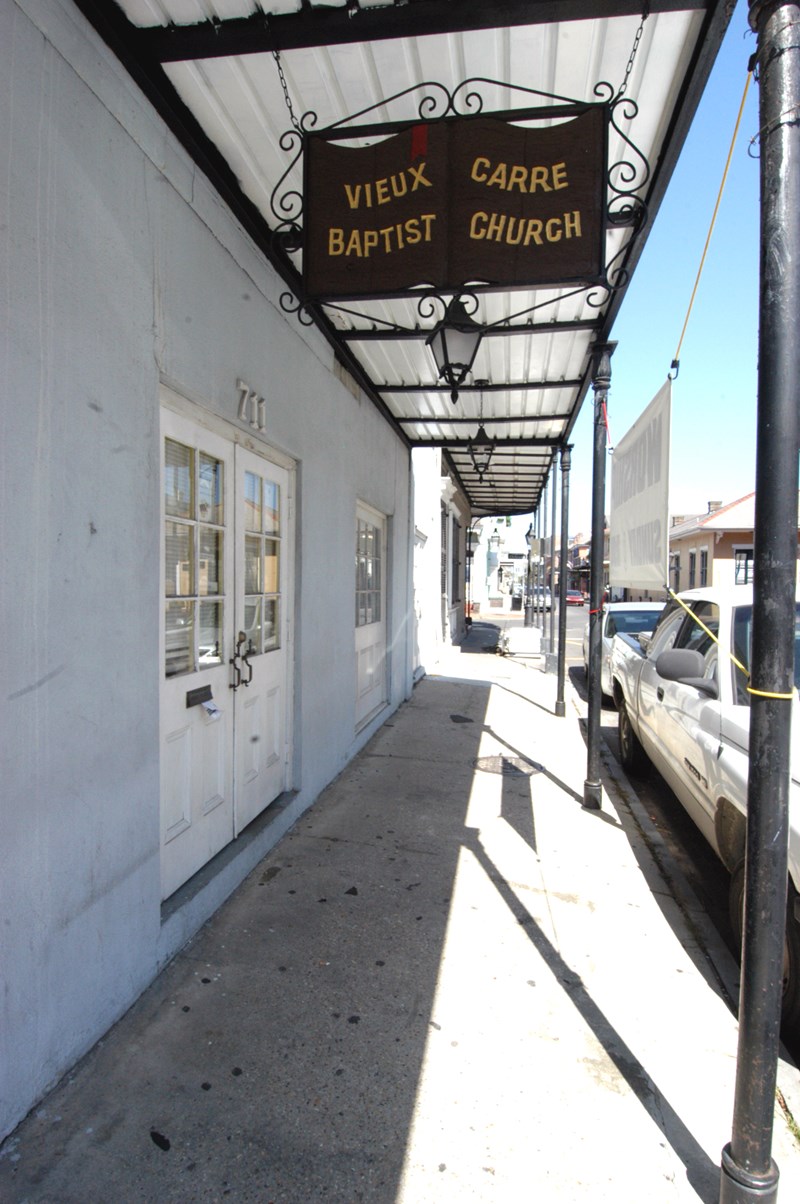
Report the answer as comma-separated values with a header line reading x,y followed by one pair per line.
x,y
252,408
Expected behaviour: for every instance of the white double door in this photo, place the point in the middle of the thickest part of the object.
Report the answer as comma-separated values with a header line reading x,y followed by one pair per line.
x,y
225,654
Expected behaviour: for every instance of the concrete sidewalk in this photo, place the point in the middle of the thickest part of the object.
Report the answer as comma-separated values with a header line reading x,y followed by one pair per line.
x,y
449,982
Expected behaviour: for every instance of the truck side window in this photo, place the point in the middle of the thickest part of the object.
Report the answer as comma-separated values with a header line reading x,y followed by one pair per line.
x,y
742,635
692,635
666,631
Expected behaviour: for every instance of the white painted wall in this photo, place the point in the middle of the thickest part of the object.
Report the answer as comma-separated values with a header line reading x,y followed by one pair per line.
x,y
119,269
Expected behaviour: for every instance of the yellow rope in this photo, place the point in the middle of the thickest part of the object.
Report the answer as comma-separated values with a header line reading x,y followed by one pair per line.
x,y
713,220
750,689
707,630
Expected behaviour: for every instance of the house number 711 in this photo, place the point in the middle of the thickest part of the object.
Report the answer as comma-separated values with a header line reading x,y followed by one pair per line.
x,y
252,408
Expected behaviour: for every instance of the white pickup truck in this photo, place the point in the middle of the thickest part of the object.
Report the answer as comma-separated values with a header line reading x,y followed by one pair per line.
x,y
683,702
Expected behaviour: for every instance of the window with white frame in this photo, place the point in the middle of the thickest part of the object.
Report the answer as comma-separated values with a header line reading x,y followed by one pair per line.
x,y
743,566
369,573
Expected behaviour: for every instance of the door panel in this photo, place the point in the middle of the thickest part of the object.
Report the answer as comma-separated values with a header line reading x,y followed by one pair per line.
x,y
262,557
224,751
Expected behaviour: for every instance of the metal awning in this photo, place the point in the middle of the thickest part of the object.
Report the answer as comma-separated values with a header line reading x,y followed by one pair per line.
x,y
210,68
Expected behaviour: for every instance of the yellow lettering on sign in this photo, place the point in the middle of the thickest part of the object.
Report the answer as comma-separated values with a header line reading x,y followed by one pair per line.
x,y
572,224
519,177
362,243
519,231
380,192
479,168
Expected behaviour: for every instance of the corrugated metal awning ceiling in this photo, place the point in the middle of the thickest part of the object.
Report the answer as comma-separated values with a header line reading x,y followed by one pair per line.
x,y
209,67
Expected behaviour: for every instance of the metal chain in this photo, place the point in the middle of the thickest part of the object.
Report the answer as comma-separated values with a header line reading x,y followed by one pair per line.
x,y
637,39
276,54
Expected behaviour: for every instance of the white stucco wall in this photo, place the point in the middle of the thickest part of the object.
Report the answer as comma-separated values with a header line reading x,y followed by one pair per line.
x,y
120,269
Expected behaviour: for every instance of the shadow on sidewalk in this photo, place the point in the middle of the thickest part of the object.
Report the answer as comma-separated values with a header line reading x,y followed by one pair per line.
x,y
280,1056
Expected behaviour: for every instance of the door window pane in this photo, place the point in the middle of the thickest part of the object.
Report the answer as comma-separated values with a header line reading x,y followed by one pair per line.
x,y
179,638
272,512
252,501
178,479
271,574
252,564
210,561
209,644
209,504
179,560
271,628
252,622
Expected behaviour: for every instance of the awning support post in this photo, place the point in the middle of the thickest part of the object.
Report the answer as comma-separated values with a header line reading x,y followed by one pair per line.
x,y
601,379
563,581
748,1171
553,515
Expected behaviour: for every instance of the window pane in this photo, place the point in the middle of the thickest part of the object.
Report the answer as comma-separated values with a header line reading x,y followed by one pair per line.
x,y
271,629
179,561
252,501
210,566
210,634
271,575
252,564
209,502
252,622
179,656
272,508
178,479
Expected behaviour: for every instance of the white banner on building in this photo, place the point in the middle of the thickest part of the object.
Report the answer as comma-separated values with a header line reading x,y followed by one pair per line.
x,y
639,519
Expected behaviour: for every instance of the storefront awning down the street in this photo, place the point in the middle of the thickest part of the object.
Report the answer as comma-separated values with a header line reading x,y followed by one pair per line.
x,y
246,84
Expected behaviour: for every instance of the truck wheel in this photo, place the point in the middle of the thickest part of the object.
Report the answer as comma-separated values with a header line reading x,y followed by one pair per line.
x,y
790,1004
630,750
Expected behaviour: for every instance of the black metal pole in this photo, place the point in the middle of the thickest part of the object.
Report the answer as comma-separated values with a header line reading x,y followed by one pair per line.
x,y
748,1170
537,597
592,787
543,549
553,557
563,582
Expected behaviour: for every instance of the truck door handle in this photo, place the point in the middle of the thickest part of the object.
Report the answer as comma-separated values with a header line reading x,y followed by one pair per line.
x,y
660,693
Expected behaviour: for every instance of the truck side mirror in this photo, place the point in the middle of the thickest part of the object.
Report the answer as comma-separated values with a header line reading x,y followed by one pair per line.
x,y
686,666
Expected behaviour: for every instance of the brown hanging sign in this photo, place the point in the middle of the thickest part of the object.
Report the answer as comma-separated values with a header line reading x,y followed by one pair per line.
x,y
456,202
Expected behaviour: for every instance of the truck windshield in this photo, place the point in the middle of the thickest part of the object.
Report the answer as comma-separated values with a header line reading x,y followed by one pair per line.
x,y
742,637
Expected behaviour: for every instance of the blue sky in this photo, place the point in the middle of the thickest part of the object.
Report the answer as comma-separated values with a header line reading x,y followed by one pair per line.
x,y
714,396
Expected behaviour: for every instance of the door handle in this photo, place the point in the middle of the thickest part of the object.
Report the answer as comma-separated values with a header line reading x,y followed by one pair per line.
x,y
234,660
246,658
660,693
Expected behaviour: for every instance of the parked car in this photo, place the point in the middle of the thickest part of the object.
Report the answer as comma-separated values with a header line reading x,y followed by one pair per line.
x,y
683,702
574,597
542,598
630,617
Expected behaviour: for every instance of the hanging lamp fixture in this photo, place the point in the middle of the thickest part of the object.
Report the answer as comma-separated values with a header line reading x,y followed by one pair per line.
x,y
481,447
454,342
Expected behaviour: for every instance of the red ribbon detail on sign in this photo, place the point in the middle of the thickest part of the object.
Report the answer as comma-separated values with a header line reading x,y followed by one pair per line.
x,y
419,142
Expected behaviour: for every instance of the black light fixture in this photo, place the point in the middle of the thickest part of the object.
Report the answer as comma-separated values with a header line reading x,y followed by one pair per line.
x,y
480,449
454,343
